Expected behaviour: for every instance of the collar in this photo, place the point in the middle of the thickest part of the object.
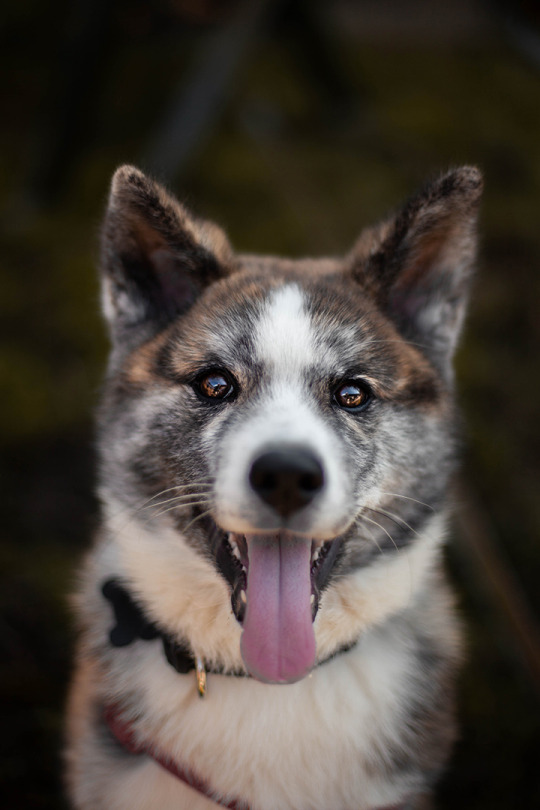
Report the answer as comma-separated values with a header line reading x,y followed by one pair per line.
x,y
131,624
125,735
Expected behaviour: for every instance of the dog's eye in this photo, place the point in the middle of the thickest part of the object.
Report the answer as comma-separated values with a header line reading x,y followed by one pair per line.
x,y
352,395
214,385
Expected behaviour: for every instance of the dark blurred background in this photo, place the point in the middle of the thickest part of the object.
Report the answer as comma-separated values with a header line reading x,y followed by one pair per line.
x,y
293,123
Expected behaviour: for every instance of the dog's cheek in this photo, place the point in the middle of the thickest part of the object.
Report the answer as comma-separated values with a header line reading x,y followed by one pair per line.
x,y
185,455
157,442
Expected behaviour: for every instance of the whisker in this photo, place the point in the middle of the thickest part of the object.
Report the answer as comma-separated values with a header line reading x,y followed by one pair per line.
x,y
203,485
371,535
199,517
178,498
204,488
364,517
189,504
407,498
397,519
201,489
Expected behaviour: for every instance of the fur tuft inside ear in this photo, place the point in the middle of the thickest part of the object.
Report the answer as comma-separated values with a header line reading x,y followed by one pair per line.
x,y
417,266
156,258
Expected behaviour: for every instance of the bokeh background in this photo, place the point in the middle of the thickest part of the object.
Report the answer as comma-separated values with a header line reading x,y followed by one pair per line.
x,y
293,123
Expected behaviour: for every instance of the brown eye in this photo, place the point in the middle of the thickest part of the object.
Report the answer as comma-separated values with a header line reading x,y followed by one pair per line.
x,y
214,385
352,395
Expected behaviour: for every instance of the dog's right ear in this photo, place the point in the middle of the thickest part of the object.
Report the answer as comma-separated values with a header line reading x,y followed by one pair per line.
x,y
156,258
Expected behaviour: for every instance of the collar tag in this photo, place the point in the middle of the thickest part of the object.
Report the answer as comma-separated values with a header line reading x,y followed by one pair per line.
x,y
200,675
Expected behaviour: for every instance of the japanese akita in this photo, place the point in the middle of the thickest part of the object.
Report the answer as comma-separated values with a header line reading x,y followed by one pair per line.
x,y
275,439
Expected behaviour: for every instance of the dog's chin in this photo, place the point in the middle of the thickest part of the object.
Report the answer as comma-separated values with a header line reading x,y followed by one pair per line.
x,y
276,580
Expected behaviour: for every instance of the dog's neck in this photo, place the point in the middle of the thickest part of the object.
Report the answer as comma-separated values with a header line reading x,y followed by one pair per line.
x,y
131,624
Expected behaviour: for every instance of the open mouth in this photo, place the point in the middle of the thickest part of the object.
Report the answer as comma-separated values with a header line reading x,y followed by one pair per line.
x,y
276,581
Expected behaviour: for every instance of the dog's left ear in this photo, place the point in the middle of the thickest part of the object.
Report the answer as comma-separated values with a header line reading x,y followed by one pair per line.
x,y
156,258
418,265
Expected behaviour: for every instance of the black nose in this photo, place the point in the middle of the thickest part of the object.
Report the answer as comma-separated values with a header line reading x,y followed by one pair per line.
x,y
286,478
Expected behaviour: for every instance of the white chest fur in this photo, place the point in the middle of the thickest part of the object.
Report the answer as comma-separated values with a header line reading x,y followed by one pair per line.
x,y
314,744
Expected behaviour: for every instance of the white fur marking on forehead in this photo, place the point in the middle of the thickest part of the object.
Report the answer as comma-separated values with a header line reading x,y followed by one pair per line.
x,y
284,336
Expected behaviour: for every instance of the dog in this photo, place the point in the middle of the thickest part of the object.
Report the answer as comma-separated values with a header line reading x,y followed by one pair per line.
x,y
264,618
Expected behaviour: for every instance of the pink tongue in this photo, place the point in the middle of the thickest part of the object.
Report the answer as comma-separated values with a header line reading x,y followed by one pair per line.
x,y
278,642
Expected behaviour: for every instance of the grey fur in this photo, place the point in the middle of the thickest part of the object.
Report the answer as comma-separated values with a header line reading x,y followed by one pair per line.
x,y
178,301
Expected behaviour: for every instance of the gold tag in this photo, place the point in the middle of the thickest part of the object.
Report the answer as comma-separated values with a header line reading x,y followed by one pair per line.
x,y
200,674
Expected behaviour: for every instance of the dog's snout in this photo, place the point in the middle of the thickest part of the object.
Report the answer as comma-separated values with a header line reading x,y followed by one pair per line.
x,y
287,478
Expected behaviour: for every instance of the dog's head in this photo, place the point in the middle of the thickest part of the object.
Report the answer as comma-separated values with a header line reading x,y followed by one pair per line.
x,y
291,420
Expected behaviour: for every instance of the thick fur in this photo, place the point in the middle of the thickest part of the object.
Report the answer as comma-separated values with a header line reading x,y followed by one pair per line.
x,y
373,725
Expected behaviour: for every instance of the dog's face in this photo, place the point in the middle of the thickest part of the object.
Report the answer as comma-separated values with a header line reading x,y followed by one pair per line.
x,y
291,420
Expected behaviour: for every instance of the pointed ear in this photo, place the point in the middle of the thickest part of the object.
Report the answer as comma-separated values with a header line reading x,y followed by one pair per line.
x,y
418,265
155,257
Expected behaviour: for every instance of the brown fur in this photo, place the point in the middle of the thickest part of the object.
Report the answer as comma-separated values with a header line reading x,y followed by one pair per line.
x,y
180,303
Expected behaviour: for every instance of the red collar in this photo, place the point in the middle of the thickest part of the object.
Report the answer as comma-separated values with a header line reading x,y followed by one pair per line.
x,y
124,732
